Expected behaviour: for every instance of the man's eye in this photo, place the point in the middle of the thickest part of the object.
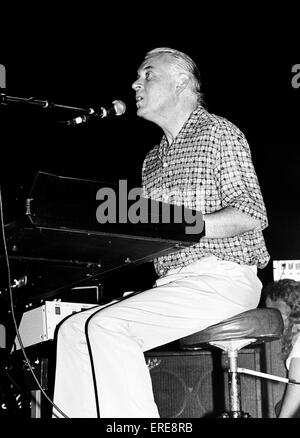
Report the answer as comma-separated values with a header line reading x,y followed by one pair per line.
x,y
148,75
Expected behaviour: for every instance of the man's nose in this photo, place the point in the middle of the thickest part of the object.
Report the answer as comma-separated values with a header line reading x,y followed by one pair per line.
x,y
137,85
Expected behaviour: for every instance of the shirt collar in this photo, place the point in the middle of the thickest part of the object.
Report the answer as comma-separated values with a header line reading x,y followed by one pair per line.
x,y
199,114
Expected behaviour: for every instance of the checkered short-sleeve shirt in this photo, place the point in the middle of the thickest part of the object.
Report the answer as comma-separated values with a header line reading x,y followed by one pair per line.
x,y
208,167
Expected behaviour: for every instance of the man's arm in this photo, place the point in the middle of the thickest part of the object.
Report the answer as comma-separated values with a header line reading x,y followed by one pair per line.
x,y
229,222
290,407
243,206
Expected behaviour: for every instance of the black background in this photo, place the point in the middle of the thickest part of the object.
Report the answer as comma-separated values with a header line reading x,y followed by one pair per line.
x,y
88,56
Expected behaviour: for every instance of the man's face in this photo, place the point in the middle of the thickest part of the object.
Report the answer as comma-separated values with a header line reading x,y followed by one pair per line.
x,y
155,88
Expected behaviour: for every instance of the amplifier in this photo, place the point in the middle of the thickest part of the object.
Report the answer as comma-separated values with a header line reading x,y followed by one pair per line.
x,y
286,269
194,384
274,365
39,324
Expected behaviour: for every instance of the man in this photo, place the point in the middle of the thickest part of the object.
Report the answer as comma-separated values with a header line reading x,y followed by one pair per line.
x,y
101,370
284,295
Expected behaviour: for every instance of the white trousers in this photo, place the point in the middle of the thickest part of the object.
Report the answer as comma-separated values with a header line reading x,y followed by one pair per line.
x,y
116,335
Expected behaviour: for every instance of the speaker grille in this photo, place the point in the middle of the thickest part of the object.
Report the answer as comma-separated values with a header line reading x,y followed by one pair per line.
x,y
195,384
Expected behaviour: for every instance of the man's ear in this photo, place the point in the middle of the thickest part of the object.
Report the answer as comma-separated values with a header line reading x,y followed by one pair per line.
x,y
182,82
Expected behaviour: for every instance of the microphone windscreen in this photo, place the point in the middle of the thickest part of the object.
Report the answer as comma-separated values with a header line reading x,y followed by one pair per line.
x,y
120,107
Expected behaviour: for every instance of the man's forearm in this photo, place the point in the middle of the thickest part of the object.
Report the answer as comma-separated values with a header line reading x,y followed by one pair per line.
x,y
228,222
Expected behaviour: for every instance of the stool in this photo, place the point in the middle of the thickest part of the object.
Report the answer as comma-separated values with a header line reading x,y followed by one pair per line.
x,y
231,335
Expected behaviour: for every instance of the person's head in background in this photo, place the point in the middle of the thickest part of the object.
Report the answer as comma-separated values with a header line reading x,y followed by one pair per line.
x,y
284,295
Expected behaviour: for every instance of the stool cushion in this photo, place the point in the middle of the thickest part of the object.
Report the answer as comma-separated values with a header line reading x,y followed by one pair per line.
x,y
263,324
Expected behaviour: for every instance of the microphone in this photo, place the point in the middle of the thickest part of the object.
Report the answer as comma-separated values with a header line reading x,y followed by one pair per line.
x,y
117,108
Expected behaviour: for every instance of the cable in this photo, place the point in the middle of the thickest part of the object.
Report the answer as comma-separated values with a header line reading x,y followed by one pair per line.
x,y
13,313
92,366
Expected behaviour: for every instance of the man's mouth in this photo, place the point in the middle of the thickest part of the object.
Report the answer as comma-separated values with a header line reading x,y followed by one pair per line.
x,y
139,100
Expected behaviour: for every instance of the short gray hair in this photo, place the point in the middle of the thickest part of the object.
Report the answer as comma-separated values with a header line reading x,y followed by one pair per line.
x,y
183,62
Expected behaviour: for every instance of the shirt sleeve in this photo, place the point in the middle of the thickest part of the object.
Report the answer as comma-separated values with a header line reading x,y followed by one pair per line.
x,y
236,176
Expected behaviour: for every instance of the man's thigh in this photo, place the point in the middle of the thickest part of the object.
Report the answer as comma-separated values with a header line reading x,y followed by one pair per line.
x,y
168,312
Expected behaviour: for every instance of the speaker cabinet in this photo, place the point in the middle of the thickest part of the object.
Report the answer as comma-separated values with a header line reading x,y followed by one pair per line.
x,y
195,384
275,366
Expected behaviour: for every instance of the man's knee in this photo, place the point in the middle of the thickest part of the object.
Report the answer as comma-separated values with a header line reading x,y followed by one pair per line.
x,y
68,328
106,323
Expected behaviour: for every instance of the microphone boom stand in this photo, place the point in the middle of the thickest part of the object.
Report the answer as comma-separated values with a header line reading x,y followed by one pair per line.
x,y
45,104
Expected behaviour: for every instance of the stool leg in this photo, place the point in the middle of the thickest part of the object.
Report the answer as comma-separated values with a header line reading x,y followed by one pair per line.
x,y
234,384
